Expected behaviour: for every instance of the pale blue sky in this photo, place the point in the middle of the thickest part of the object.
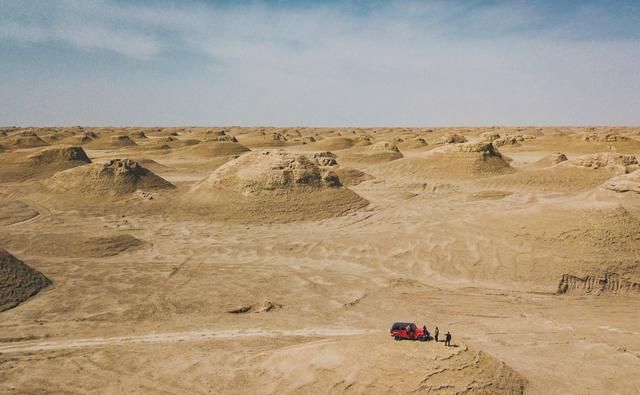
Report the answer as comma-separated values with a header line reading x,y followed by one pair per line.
x,y
406,63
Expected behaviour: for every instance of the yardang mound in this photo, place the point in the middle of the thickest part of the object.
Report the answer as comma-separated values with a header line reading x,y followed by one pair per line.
x,y
551,160
274,186
617,162
379,152
217,148
42,164
603,137
67,156
26,139
116,177
334,144
264,139
449,138
597,284
414,143
466,160
18,282
220,136
576,175
624,183
139,135
81,139
110,142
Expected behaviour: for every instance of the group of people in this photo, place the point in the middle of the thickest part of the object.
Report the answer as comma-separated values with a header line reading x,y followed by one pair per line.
x,y
436,334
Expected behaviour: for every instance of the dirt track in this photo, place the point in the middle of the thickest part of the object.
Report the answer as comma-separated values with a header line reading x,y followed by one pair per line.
x,y
30,346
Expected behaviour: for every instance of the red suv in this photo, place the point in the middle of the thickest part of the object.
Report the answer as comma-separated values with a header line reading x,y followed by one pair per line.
x,y
409,331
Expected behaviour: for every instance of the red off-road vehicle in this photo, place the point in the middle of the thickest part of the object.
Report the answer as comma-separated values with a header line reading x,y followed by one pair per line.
x,y
408,331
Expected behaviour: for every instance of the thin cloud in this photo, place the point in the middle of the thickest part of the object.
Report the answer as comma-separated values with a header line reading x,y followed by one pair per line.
x,y
403,63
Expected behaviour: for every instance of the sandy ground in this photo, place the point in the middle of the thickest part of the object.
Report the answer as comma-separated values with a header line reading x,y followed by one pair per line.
x,y
141,289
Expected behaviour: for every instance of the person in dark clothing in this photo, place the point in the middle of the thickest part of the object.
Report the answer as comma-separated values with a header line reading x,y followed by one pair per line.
x,y
425,332
436,333
447,339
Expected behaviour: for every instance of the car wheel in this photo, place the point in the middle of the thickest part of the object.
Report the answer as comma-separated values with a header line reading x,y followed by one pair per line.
x,y
397,338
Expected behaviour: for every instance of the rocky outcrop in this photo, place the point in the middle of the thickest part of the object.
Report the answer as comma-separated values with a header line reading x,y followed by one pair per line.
x,y
597,284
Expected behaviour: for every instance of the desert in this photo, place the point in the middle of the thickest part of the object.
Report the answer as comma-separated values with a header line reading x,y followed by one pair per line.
x,y
275,259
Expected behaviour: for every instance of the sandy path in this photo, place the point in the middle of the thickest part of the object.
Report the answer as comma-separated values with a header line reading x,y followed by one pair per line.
x,y
172,337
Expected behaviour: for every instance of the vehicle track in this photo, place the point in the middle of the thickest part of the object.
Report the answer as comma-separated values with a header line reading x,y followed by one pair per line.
x,y
172,337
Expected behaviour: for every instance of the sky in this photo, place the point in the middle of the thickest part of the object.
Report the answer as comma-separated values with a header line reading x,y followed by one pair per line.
x,y
324,63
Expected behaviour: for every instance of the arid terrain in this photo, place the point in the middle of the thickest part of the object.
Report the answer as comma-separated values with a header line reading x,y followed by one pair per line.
x,y
206,260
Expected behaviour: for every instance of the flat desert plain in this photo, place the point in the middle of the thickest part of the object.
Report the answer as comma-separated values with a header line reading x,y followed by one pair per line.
x,y
275,260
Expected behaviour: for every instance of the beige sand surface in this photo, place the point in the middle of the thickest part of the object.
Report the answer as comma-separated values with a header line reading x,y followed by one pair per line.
x,y
266,265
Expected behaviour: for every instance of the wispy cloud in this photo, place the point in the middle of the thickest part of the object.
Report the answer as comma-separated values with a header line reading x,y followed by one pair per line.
x,y
409,62
146,30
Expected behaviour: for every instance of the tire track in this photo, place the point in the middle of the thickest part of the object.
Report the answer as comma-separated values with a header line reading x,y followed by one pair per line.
x,y
174,337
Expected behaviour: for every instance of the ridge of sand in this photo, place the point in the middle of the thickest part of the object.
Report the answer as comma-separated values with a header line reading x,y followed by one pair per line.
x,y
75,245
320,360
327,365
15,211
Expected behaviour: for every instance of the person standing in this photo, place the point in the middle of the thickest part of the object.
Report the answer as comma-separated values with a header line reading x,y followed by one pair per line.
x,y
436,333
447,339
